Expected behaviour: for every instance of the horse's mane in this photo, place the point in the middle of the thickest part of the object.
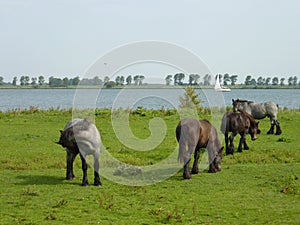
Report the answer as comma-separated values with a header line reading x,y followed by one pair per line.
x,y
240,100
252,120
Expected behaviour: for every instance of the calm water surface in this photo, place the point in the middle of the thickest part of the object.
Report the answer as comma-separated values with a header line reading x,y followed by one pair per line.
x,y
131,98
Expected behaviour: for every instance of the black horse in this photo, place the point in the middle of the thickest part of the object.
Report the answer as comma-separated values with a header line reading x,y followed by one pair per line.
x,y
238,123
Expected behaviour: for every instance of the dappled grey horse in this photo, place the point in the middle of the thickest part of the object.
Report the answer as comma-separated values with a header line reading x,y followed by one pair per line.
x,y
81,136
259,111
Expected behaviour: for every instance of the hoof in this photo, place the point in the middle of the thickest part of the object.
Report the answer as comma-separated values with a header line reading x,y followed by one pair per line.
x,y
187,176
85,184
246,148
97,184
196,171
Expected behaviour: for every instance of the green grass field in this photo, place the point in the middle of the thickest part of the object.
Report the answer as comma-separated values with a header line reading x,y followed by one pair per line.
x,y
258,186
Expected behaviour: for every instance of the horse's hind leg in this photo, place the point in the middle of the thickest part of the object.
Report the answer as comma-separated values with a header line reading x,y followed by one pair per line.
x,y
195,169
187,159
97,181
278,129
271,131
85,181
231,146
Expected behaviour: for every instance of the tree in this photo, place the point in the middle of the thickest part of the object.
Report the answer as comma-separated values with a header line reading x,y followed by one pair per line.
x,y
207,79
1,80
97,81
178,78
136,79
106,80
168,79
268,80
22,80
233,79
65,81
33,80
118,80
290,81
41,80
295,80
226,79
260,81
141,78
110,84
248,80
194,79
282,81
253,82
190,98
275,81
129,80
14,83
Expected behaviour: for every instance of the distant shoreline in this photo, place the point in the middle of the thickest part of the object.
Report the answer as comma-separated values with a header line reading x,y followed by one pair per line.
x,y
149,86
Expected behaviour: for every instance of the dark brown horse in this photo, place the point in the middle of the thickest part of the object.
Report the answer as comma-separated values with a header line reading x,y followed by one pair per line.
x,y
196,134
238,123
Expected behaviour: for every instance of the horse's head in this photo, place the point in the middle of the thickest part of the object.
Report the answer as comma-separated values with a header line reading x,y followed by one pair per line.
x,y
235,104
253,130
217,161
239,105
66,138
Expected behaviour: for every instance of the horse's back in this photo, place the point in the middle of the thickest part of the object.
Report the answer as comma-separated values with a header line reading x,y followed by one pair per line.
x,y
86,135
188,129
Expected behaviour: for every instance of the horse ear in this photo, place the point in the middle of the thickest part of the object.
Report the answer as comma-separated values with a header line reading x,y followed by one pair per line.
x,y
60,131
258,131
221,149
232,100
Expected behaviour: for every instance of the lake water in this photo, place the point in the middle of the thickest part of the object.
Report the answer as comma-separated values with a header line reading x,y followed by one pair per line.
x,y
131,98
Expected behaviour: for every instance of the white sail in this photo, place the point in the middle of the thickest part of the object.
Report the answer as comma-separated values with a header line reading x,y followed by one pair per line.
x,y
218,85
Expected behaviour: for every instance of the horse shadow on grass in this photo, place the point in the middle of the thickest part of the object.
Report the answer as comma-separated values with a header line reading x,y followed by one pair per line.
x,y
43,180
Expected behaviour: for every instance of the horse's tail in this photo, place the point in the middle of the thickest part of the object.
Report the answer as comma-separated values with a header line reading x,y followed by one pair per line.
x,y
181,138
224,124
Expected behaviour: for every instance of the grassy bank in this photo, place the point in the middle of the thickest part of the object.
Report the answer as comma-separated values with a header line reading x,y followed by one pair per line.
x,y
258,186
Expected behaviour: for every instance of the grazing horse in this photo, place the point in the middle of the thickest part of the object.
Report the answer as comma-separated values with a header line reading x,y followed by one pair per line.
x,y
197,134
81,136
242,123
259,111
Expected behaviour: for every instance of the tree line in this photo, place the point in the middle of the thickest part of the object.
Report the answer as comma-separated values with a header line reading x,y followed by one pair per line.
x,y
137,80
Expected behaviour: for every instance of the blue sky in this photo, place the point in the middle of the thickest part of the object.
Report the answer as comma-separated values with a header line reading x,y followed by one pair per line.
x,y
63,37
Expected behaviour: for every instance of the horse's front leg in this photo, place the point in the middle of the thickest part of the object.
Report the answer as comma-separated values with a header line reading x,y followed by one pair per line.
x,y
231,147
242,141
226,143
85,181
195,169
70,157
97,181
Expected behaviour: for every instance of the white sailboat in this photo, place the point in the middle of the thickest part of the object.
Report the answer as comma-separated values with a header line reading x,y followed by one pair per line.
x,y
218,86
